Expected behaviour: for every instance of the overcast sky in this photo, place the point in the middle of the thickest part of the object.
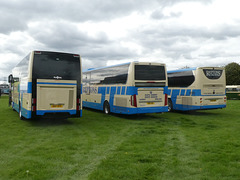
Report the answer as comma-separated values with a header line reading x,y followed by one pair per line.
x,y
176,32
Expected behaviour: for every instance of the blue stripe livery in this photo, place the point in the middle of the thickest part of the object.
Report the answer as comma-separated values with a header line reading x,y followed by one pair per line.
x,y
174,93
126,110
27,88
56,83
123,90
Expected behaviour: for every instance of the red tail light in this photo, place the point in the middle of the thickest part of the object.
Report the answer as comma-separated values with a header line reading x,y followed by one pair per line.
x,y
34,103
134,100
166,100
76,56
78,104
38,52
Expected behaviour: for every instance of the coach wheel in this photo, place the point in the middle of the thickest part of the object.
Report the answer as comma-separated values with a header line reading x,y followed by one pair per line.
x,y
10,99
170,106
106,107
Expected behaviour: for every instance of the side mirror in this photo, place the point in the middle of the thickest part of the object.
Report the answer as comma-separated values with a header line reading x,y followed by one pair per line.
x,y
16,79
10,78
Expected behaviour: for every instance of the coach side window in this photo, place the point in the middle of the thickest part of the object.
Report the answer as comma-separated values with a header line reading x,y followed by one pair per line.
x,y
180,79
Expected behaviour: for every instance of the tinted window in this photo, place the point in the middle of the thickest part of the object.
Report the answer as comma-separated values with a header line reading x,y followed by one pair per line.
x,y
180,79
149,72
212,73
21,70
52,65
110,75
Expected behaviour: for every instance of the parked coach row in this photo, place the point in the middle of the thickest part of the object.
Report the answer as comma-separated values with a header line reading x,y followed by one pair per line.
x,y
53,84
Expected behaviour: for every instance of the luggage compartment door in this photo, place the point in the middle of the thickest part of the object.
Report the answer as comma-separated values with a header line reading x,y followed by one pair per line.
x,y
56,95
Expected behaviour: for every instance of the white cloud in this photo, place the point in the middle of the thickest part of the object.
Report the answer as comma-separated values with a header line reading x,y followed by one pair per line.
x,y
206,15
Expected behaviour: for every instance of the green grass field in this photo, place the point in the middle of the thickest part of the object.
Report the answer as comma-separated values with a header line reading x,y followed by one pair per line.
x,y
198,145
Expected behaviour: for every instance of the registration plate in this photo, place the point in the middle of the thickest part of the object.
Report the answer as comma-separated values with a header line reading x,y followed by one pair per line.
x,y
56,105
150,102
213,100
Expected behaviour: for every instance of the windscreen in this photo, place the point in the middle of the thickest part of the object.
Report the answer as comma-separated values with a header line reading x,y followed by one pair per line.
x,y
52,65
149,72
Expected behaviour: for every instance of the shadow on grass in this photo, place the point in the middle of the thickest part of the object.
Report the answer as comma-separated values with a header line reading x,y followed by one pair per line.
x,y
140,117
43,122
197,113
206,113
134,117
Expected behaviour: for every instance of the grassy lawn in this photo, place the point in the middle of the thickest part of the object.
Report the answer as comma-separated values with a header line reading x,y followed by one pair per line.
x,y
198,145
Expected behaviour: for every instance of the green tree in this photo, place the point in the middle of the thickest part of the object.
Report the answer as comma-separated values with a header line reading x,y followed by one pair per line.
x,y
232,74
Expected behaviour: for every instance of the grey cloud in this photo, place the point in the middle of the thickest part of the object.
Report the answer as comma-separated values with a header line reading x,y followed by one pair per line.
x,y
165,3
96,56
177,41
219,52
158,15
5,69
65,36
161,34
217,33
10,23
111,51
19,13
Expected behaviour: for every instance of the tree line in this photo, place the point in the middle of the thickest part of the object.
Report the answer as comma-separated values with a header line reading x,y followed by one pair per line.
x,y
232,74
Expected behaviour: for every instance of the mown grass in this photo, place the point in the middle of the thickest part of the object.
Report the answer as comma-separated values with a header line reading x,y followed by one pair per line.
x,y
198,145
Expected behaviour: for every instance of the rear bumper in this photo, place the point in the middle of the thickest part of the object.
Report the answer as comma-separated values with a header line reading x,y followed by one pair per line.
x,y
145,110
43,112
62,113
191,108
50,113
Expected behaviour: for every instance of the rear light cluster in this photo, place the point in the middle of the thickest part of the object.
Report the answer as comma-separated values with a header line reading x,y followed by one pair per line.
x,y
76,56
38,52
201,100
134,100
166,100
34,102
78,104
225,99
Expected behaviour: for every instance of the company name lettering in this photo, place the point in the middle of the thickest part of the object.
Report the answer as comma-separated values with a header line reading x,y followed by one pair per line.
x,y
213,73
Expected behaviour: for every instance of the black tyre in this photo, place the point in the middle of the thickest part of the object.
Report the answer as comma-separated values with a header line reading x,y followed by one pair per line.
x,y
106,107
170,106
20,112
10,99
